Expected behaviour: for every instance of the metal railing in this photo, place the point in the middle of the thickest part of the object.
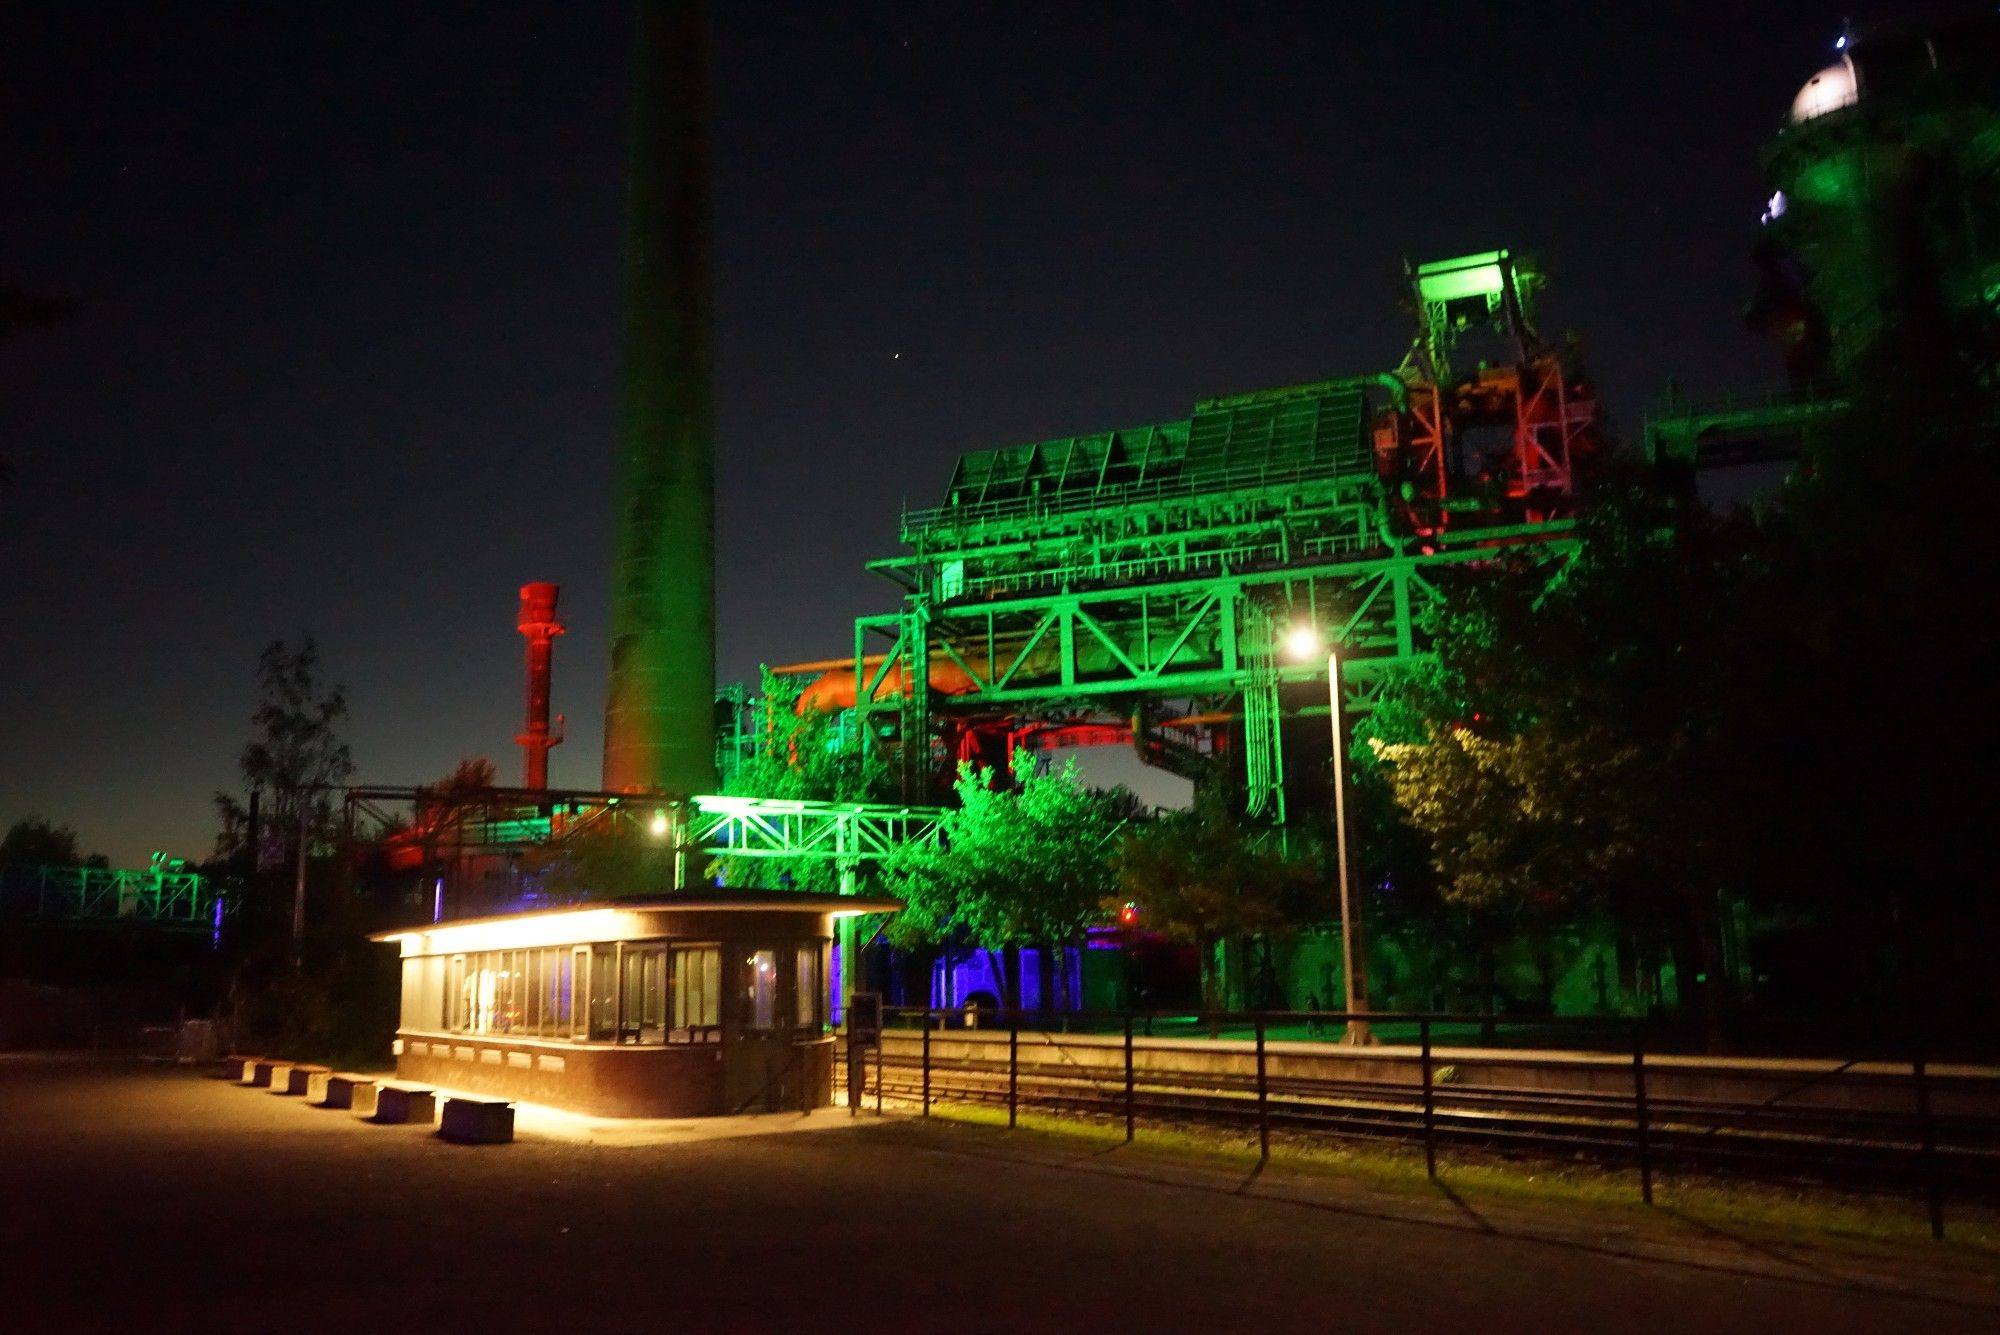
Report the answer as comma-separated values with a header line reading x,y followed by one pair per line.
x,y
174,898
1903,1127
1208,483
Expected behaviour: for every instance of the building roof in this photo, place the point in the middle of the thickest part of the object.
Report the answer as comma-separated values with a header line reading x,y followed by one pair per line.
x,y
724,901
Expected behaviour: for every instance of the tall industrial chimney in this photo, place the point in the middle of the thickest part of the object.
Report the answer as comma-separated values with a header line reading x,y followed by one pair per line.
x,y
659,726
539,627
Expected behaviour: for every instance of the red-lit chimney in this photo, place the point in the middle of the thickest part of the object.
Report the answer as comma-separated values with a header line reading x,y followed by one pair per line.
x,y
538,625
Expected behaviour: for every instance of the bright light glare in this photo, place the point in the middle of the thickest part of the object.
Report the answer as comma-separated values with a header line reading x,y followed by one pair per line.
x,y
1303,642
659,825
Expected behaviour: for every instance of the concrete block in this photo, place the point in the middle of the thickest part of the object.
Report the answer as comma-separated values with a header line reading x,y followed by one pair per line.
x,y
336,1089
477,1121
258,1073
302,1077
403,1103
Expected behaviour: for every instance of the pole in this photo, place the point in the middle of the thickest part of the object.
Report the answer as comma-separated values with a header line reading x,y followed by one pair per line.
x,y
299,892
1353,959
1430,1101
1263,1098
1128,1078
1639,1112
879,1045
1933,1189
1013,1068
927,1061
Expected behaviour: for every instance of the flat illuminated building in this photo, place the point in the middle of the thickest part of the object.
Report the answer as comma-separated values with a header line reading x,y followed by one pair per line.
x,y
686,1006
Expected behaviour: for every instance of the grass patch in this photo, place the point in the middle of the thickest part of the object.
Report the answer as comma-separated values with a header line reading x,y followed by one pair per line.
x,y
1780,1213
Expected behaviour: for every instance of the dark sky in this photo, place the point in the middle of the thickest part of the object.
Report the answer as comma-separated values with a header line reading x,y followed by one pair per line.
x,y
346,274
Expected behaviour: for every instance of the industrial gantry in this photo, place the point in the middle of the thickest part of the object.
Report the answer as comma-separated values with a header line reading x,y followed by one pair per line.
x,y
1132,586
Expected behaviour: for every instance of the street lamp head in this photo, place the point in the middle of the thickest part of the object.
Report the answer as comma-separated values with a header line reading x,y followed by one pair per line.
x,y
659,824
1303,642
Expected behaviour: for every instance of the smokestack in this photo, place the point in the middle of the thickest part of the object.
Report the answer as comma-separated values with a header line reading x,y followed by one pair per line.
x,y
659,725
538,625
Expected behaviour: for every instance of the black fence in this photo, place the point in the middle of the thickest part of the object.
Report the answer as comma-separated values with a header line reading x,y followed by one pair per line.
x,y
1586,1089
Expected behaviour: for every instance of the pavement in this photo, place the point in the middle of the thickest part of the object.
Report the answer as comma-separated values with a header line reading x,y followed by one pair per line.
x,y
146,1197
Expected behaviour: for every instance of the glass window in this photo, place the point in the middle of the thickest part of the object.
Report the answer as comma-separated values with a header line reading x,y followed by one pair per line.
x,y
459,994
576,988
760,989
430,1012
412,990
537,990
604,993
483,979
697,984
644,1018
806,985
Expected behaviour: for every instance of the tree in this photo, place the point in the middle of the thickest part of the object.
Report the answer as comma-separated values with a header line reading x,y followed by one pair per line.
x,y
616,855
799,754
36,842
1564,750
296,754
1028,864
1200,876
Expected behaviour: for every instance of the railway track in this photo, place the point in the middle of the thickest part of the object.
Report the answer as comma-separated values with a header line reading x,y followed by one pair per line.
x,y
1855,1150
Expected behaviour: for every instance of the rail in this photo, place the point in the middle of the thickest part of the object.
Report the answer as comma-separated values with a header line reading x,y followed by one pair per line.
x,y
1897,1127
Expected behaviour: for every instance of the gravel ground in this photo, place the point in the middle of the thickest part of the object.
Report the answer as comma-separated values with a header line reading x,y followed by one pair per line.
x,y
148,1198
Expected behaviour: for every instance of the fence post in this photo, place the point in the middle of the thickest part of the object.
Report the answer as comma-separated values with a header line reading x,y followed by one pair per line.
x,y
927,1061
1013,1068
1430,1101
879,1045
1639,1110
1263,1098
1128,1078
1927,1142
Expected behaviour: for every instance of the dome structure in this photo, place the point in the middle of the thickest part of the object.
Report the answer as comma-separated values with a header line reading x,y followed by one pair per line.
x,y
1832,88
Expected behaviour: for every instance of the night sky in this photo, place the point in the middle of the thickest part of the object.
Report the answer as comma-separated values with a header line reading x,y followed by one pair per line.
x,y
346,276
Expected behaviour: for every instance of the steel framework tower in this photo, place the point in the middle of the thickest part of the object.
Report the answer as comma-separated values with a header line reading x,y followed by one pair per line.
x,y
659,715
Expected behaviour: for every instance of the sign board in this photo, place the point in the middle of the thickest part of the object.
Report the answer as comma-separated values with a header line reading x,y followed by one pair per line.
x,y
864,1018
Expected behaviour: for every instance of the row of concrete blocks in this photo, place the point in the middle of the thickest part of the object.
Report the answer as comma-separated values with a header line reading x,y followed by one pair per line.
x,y
462,1120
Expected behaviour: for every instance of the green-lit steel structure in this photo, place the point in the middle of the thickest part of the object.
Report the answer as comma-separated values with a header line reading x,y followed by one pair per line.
x,y
1134,585
171,898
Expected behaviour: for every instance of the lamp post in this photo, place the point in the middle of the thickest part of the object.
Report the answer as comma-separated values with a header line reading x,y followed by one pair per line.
x,y
1304,643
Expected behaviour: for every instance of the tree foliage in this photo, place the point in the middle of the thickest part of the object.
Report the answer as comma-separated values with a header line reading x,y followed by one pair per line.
x,y
615,856
294,754
36,842
1202,876
1026,864
800,753
1781,706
